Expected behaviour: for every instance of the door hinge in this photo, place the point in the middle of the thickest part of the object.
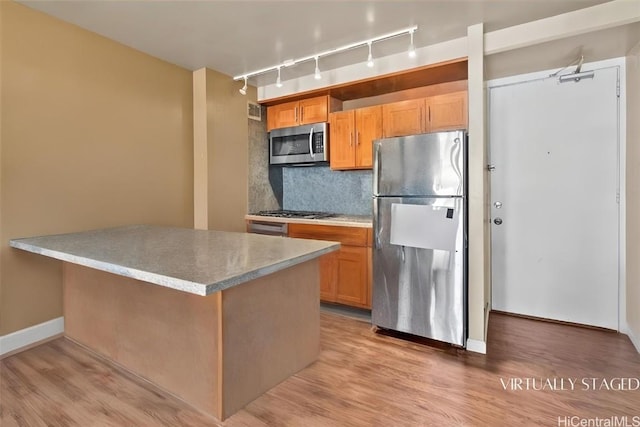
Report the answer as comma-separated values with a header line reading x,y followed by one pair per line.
x,y
618,88
618,198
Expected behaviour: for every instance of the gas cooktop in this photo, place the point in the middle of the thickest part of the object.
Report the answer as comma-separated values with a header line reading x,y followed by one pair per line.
x,y
296,214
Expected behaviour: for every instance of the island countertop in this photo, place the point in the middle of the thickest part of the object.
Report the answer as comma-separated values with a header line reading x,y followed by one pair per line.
x,y
196,261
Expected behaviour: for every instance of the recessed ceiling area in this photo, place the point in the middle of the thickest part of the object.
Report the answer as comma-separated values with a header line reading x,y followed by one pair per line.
x,y
236,37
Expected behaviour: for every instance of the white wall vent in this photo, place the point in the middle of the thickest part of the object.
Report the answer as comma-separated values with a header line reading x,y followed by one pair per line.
x,y
254,111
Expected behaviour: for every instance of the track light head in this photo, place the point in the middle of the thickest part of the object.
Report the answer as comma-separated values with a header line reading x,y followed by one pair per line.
x,y
317,74
278,81
243,89
370,58
412,48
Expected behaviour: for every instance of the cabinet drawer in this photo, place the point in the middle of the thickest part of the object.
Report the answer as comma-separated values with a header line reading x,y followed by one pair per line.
x,y
352,236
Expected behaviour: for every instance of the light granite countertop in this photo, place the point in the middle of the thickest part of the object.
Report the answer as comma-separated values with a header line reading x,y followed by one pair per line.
x,y
196,261
341,220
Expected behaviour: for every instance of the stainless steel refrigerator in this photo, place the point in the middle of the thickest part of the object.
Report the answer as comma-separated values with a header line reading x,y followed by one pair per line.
x,y
420,235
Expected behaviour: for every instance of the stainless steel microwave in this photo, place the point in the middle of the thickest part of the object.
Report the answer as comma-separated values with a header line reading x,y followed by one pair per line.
x,y
299,144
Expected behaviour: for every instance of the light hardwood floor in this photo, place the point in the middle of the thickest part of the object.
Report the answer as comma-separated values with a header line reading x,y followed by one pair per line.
x,y
360,379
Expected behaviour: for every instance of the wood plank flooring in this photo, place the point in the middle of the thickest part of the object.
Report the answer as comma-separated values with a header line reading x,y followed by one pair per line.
x,y
360,379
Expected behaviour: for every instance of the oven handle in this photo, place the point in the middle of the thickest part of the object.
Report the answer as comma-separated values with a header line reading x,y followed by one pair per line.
x,y
313,155
269,228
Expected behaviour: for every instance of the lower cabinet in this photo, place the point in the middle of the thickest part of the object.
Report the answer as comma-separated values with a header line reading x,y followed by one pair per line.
x,y
345,275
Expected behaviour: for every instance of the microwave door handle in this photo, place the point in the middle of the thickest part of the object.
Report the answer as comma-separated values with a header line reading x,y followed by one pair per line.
x,y
313,155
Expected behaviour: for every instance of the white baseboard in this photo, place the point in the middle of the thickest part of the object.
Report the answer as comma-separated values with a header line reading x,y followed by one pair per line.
x,y
477,346
634,338
31,335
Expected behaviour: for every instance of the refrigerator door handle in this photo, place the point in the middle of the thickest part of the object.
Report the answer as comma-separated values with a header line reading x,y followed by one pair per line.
x,y
377,164
402,251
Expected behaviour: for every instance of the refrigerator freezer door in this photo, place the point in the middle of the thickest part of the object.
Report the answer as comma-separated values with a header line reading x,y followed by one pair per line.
x,y
416,290
430,164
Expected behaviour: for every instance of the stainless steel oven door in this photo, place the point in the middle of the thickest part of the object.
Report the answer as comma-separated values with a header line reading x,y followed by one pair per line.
x,y
300,144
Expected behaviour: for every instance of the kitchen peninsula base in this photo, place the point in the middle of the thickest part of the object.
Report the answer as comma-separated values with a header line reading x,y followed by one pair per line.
x,y
218,352
214,318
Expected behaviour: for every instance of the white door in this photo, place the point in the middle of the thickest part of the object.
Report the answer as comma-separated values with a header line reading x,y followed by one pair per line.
x,y
555,151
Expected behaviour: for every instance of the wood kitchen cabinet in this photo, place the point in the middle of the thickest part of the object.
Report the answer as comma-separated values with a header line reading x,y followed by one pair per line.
x,y
403,118
447,112
345,275
351,137
353,287
432,114
302,112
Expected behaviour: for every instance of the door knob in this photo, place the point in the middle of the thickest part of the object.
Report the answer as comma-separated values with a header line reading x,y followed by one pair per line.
x,y
497,221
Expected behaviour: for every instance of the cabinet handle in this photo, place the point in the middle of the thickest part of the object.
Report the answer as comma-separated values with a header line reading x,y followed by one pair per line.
x,y
295,114
350,139
358,138
301,114
421,122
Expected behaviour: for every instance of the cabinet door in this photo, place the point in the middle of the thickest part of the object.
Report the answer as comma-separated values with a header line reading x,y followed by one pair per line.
x,y
341,140
282,115
345,275
313,110
368,128
329,276
403,118
447,112
353,276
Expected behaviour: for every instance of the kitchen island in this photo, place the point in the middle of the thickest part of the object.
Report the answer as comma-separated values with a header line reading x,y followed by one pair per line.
x,y
215,318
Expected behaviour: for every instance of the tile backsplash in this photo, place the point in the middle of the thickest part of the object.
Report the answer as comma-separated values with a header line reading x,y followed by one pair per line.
x,y
318,188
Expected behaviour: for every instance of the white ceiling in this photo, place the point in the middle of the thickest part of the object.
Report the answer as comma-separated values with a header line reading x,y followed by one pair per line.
x,y
235,37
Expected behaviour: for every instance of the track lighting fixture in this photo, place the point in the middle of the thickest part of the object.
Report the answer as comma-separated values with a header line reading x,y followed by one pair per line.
x,y
412,48
243,90
367,42
317,72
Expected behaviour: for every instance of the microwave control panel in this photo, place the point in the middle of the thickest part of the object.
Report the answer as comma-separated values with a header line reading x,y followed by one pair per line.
x,y
318,144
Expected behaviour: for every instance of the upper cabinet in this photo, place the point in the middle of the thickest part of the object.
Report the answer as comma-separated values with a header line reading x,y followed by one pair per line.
x,y
351,137
432,114
447,112
352,132
282,115
404,117
302,112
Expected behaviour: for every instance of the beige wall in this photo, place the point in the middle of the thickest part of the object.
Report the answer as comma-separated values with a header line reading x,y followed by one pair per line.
x,y
633,193
227,154
97,135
